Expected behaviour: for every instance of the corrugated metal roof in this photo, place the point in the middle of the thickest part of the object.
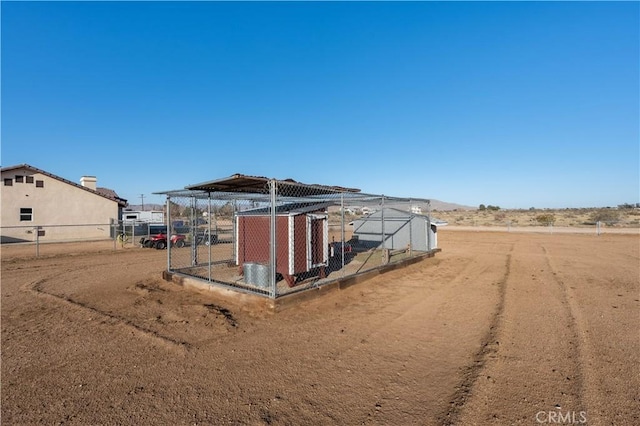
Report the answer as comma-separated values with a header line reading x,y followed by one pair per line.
x,y
259,185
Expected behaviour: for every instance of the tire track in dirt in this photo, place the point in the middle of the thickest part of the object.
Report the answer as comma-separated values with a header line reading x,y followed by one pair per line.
x,y
409,305
532,369
112,319
37,288
405,356
392,316
589,390
426,321
489,346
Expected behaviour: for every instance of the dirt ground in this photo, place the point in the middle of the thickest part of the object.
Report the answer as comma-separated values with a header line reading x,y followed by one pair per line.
x,y
499,328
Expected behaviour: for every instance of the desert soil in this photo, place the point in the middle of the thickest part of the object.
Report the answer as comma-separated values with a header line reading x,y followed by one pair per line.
x,y
499,328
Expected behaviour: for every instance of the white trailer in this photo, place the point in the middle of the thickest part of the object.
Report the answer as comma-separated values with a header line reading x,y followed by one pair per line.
x,y
150,216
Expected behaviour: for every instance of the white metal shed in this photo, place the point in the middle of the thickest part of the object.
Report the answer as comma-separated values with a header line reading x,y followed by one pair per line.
x,y
395,229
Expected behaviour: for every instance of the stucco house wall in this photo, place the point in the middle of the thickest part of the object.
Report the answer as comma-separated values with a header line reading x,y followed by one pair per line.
x,y
64,209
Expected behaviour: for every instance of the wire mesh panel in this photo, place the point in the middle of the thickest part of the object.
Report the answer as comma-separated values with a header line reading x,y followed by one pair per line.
x,y
301,235
209,224
274,238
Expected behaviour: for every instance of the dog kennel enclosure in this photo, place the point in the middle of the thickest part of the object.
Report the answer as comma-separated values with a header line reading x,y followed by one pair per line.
x,y
273,237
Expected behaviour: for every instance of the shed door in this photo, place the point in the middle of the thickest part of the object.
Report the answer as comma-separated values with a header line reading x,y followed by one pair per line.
x,y
317,239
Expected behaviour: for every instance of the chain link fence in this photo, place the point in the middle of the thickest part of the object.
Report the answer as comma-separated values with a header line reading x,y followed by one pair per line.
x,y
57,239
281,237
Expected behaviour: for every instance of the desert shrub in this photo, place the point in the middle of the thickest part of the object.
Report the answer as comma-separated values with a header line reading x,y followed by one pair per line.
x,y
546,218
498,217
607,216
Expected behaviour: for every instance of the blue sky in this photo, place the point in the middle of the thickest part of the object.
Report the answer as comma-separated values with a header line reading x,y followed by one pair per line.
x,y
516,104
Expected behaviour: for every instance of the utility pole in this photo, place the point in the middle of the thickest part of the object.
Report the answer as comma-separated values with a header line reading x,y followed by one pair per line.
x,y
142,201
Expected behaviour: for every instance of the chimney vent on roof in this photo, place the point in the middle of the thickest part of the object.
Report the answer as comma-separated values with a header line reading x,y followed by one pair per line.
x,y
88,182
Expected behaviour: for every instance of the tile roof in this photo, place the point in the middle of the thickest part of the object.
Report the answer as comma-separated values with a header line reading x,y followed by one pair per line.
x,y
103,192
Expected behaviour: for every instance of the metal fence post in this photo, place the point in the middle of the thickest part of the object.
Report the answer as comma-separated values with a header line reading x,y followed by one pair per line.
x,y
114,233
234,227
208,235
342,235
384,240
38,240
272,238
429,242
410,228
168,232
194,228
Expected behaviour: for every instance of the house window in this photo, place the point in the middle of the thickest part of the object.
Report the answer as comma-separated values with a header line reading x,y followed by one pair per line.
x,y
29,179
19,178
39,184
8,182
26,214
